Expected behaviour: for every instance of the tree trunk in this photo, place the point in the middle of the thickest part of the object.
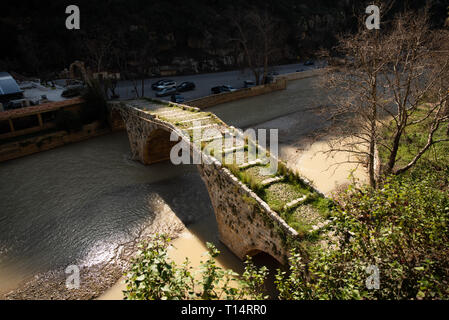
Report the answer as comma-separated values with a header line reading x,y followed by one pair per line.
x,y
257,76
372,150
373,129
394,152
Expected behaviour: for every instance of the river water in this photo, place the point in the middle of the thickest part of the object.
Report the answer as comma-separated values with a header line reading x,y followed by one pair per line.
x,y
77,204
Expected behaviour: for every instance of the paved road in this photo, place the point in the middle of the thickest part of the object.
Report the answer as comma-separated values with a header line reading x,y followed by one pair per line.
x,y
203,82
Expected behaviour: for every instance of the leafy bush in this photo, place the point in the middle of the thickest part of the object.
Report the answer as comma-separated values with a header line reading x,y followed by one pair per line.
x,y
402,228
154,277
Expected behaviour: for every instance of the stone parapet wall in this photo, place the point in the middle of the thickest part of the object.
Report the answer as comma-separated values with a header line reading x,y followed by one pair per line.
x,y
216,99
302,74
25,147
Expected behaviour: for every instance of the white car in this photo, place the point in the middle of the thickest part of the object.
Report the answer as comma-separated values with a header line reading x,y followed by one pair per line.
x,y
227,88
166,85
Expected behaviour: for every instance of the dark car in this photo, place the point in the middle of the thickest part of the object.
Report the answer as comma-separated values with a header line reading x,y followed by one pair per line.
x,y
186,86
160,83
217,89
224,88
166,92
309,63
177,98
248,83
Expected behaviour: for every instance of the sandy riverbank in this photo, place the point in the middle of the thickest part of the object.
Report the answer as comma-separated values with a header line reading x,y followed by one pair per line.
x,y
309,157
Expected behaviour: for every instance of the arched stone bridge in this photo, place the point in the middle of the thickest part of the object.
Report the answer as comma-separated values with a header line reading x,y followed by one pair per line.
x,y
246,223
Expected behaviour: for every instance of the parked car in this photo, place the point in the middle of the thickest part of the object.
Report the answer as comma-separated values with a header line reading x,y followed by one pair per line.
x,y
227,88
166,92
160,83
166,85
217,89
248,83
186,86
73,91
177,98
309,63
224,88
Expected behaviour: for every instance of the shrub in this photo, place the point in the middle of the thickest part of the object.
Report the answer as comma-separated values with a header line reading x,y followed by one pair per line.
x,y
154,277
402,228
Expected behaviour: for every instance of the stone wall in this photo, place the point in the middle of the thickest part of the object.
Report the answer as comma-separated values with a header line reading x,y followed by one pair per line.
x,y
303,74
246,224
216,99
44,142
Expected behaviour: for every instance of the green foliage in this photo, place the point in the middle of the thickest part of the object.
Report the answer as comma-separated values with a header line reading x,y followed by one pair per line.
x,y
154,277
402,228
247,178
252,282
415,138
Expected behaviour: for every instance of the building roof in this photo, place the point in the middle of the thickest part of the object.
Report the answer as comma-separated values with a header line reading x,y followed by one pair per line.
x,y
8,85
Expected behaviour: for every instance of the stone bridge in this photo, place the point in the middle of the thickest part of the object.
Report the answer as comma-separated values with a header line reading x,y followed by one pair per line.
x,y
246,223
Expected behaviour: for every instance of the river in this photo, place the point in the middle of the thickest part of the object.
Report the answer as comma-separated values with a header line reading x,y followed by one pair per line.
x,y
81,204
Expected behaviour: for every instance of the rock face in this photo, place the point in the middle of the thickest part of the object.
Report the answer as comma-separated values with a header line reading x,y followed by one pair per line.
x,y
245,222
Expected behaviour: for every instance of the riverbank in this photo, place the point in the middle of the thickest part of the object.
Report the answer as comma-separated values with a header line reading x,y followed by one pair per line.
x,y
299,148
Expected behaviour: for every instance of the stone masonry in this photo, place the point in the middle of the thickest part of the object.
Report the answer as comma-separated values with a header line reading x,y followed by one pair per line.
x,y
245,222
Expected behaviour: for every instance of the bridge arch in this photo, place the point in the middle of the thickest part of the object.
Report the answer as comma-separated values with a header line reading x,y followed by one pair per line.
x,y
157,146
261,254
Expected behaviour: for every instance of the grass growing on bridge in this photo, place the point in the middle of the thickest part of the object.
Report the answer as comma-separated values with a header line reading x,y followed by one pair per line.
x,y
303,217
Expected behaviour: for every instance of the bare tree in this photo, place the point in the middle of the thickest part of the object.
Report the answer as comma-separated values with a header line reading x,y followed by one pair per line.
x,y
385,78
259,35
99,52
